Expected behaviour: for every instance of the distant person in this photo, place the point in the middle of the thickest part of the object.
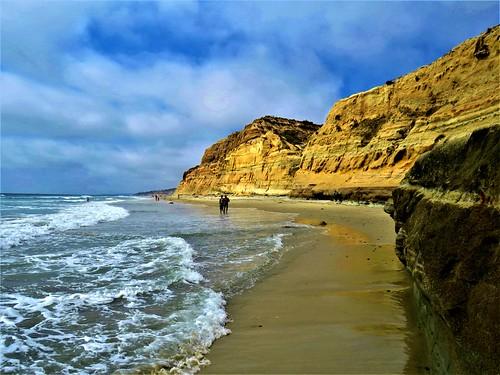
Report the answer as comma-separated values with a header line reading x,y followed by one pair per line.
x,y
88,199
226,204
221,204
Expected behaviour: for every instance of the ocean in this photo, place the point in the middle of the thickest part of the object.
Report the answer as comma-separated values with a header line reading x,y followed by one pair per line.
x,y
122,284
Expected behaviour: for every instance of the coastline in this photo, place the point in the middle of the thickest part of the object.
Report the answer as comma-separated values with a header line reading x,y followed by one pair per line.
x,y
338,302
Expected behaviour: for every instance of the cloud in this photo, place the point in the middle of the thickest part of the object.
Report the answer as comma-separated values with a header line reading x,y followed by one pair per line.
x,y
125,166
31,108
35,34
126,95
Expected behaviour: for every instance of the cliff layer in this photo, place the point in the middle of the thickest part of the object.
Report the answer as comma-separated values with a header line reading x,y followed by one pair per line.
x,y
447,214
260,159
371,139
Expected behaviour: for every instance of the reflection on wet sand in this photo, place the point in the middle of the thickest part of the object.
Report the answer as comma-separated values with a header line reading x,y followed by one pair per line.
x,y
339,302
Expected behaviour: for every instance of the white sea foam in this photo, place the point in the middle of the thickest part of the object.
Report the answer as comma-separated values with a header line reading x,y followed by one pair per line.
x,y
121,270
117,300
272,244
203,329
277,241
15,231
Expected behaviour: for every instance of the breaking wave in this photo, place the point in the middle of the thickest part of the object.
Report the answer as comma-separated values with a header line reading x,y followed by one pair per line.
x,y
13,232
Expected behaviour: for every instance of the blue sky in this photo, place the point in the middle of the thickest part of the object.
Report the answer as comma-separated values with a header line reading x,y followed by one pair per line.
x,y
119,97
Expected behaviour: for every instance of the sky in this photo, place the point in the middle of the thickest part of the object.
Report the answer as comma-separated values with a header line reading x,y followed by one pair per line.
x,y
105,97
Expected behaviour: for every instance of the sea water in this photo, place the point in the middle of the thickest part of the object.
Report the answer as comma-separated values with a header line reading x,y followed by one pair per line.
x,y
122,283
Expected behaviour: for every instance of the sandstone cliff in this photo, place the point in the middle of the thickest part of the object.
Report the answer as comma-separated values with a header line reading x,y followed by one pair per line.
x,y
260,159
371,139
447,214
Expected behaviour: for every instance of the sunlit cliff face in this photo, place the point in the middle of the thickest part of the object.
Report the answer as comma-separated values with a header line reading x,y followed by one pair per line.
x,y
370,139
260,159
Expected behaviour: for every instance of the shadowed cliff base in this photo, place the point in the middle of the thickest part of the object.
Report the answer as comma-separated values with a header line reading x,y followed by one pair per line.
x,y
447,215
354,194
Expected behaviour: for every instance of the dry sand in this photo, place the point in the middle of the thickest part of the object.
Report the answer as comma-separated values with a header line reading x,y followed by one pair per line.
x,y
338,303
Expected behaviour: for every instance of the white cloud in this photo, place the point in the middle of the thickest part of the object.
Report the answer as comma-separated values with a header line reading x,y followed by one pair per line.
x,y
29,107
166,98
35,34
152,125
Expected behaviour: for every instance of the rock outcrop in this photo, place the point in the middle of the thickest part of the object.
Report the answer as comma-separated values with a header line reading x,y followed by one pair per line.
x,y
371,139
260,159
447,214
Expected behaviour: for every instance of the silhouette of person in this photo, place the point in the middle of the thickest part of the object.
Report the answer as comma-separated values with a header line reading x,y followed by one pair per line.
x,y
221,204
226,204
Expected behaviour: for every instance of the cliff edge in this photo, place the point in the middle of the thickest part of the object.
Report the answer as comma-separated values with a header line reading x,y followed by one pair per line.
x,y
447,215
372,139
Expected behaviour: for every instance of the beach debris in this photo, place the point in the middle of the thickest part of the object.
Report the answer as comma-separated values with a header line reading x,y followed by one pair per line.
x,y
323,223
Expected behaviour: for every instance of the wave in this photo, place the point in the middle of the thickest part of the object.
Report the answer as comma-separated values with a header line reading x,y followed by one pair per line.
x,y
202,331
13,232
125,280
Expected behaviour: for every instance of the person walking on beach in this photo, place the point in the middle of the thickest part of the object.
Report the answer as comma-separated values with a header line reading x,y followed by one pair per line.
x,y
221,204
226,204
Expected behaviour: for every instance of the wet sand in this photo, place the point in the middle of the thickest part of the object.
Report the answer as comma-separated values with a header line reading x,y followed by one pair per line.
x,y
339,302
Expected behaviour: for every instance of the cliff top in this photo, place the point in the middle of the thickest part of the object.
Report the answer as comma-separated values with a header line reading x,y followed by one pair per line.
x,y
295,132
480,52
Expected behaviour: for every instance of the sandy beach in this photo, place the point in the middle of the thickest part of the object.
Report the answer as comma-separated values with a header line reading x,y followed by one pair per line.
x,y
337,303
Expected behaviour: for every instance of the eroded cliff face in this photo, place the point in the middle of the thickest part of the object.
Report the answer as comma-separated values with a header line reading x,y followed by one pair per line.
x,y
447,214
371,139
260,159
